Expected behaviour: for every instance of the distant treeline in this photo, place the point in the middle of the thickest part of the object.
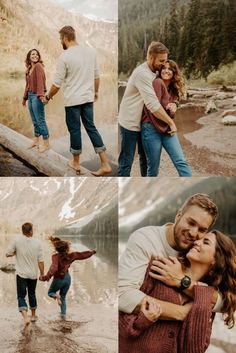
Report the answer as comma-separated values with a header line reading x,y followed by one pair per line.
x,y
200,34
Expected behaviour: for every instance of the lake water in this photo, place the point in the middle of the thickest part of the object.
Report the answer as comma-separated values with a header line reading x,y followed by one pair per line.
x,y
94,280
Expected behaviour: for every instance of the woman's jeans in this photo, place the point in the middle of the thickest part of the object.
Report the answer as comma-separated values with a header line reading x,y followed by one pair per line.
x,y
153,142
73,115
61,285
23,285
129,141
37,113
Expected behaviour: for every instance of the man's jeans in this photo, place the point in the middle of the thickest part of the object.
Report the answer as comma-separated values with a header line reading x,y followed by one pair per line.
x,y
63,286
37,113
129,140
73,115
153,142
23,285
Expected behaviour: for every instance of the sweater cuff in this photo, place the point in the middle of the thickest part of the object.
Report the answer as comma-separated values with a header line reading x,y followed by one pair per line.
x,y
142,322
203,295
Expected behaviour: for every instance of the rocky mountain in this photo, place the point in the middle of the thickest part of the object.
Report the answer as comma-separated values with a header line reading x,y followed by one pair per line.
x,y
27,24
52,203
150,201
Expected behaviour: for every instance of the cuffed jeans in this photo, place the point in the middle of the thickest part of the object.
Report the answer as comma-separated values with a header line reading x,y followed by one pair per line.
x,y
37,113
129,141
23,285
61,285
153,142
73,115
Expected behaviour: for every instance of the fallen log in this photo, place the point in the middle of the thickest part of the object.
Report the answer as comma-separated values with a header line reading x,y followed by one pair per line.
x,y
49,163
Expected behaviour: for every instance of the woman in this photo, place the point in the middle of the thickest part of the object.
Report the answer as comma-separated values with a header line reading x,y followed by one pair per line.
x,y
169,88
211,260
61,261
34,92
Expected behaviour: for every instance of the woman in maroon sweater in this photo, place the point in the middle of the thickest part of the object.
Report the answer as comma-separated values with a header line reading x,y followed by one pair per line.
x,y
211,260
169,88
35,89
61,262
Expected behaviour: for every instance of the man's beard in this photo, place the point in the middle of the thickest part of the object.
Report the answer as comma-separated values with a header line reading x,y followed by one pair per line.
x,y
178,242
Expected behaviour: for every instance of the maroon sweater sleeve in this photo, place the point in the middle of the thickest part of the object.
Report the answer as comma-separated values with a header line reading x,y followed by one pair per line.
x,y
53,268
133,325
161,92
40,79
196,329
82,255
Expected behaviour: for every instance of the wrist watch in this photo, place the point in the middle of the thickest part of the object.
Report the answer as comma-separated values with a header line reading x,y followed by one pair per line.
x,y
185,283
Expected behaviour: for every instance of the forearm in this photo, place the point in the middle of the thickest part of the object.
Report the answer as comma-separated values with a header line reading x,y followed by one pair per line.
x,y
162,115
41,268
53,90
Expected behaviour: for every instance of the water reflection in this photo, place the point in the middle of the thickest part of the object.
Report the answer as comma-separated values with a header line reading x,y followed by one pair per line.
x,y
16,117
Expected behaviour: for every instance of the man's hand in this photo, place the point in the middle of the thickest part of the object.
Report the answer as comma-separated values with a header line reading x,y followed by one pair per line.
x,y
43,100
151,308
95,96
173,128
168,271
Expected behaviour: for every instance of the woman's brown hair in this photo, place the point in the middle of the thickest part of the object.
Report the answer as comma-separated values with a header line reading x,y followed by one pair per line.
x,y
223,275
61,246
177,86
28,61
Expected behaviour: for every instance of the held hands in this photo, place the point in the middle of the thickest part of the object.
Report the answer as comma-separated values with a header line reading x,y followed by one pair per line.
x,y
168,271
43,100
151,308
41,277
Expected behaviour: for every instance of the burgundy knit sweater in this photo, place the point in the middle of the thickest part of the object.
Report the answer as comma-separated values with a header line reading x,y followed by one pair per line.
x,y
36,81
139,335
60,265
164,98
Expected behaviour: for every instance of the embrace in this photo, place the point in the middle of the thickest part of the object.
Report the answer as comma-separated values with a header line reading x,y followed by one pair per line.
x,y
77,69
29,257
173,278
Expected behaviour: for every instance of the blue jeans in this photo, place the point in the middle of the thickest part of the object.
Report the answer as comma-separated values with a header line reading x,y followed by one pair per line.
x,y
23,285
37,113
63,286
153,142
129,141
73,115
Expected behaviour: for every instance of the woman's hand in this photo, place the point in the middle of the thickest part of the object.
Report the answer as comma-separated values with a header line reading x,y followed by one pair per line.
x,y
24,102
151,308
172,107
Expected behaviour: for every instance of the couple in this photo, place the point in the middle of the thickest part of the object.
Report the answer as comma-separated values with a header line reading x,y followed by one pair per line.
x,y
29,257
173,278
146,114
77,68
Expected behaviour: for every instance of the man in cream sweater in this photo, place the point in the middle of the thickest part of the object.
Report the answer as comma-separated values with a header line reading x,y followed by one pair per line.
x,y
29,258
139,91
77,69
192,222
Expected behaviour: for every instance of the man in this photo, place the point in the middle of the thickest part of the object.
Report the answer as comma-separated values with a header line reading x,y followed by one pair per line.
x,y
192,222
139,91
29,258
77,68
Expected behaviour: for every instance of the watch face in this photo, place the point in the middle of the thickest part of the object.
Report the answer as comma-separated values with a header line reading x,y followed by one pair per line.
x,y
186,281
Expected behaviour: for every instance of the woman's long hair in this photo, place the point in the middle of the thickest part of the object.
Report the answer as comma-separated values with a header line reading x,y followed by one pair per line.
x,y
222,274
177,86
28,63
62,247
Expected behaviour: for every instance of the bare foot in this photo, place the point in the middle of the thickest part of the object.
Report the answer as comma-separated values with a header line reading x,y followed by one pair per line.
x,y
26,322
33,318
104,170
44,147
74,166
34,143
58,299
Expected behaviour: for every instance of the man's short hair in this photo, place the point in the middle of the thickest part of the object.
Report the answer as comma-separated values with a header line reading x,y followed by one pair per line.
x,y
27,228
156,48
203,201
68,32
